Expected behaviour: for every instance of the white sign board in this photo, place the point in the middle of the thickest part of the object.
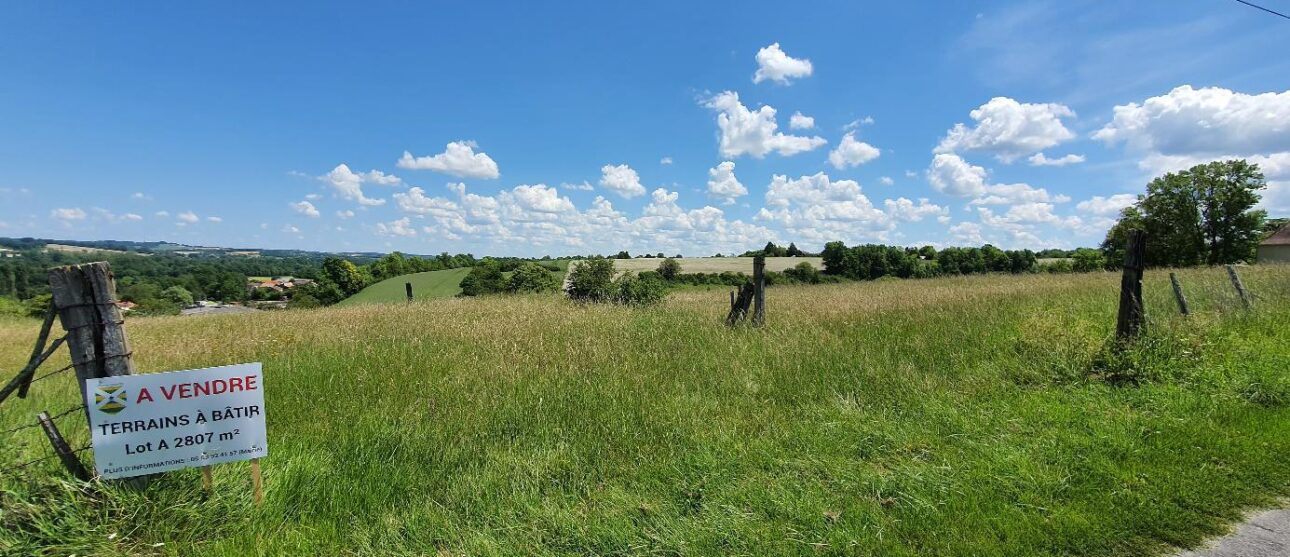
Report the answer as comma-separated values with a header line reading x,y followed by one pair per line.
x,y
143,424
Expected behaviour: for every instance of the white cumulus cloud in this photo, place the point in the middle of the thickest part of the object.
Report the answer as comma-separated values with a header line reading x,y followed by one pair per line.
x,y
458,159
1009,129
622,180
1039,159
819,209
776,65
349,185
952,175
852,153
723,185
399,227
1107,206
305,208
799,121
755,133
1211,120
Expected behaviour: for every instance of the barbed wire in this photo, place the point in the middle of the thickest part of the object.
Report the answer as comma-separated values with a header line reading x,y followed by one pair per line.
x,y
55,372
14,471
37,423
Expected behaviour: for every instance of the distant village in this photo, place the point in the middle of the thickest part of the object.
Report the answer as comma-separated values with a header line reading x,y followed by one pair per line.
x,y
264,293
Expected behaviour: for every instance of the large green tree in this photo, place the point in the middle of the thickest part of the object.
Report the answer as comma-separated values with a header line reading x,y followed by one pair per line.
x,y
1201,216
344,274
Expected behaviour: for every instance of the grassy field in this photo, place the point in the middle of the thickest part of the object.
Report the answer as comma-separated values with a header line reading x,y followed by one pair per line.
x,y
717,264
427,285
955,416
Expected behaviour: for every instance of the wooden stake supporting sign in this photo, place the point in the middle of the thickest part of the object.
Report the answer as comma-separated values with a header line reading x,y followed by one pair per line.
x,y
257,483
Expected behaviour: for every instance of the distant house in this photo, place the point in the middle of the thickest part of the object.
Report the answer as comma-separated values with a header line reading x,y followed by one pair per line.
x,y
1276,249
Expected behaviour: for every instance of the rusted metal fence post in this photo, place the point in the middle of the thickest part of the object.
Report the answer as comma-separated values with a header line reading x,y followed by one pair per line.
x,y
1240,286
759,291
1132,318
1178,294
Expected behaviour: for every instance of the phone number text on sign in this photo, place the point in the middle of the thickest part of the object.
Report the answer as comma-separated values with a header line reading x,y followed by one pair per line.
x,y
144,424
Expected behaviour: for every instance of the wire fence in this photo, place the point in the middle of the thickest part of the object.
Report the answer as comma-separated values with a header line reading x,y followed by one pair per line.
x,y
20,468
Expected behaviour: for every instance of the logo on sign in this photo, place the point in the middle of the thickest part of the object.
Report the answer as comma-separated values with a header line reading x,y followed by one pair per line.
x,y
110,399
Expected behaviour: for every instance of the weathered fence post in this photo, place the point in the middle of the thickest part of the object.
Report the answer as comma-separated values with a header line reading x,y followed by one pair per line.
x,y
1178,294
1240,286
1132,321
85,298
739,304
759,290
408,287
62,449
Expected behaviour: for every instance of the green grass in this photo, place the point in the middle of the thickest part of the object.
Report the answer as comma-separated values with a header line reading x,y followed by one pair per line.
x,y
957,416
427,285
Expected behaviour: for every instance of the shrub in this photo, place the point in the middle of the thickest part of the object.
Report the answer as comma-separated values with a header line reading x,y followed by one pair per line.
x,y
632,290
669,268
482,279
532,277
10,306
155,306
1059,266
804,272
178,295
303,301
1088,260
592,281
37,306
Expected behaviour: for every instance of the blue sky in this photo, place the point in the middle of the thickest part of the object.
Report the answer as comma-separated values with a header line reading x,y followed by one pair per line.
x,y
593,127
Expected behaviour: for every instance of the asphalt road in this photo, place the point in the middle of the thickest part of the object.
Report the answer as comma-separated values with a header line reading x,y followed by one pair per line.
x,y
1263,534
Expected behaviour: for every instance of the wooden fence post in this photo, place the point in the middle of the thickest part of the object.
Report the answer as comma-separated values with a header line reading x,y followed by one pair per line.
x,y
1240,286
740,304
408,287
85,298
1132,321
759,291
1178,294
61,448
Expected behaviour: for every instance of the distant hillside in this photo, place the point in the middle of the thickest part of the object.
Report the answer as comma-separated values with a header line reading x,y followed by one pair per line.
x,y
430,284
87,246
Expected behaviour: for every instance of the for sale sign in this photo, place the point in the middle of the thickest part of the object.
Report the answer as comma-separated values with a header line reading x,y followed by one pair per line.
x,y
143,424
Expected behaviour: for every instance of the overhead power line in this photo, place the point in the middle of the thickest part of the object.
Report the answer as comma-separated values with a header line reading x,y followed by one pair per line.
x,y
1256,6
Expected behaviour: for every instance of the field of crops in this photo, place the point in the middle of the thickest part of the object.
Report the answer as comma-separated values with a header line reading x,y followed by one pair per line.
x,y
953,416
